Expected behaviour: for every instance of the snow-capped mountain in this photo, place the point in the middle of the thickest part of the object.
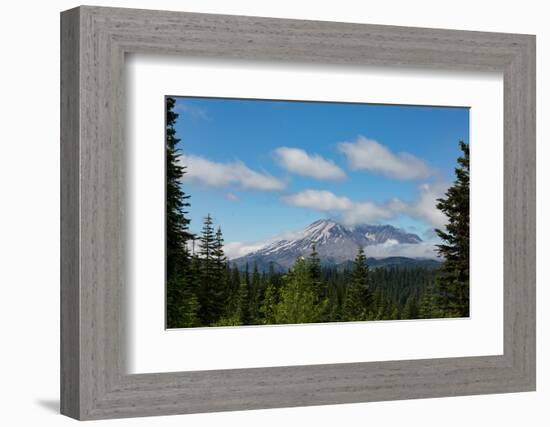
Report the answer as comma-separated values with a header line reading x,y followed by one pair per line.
x,y
335,243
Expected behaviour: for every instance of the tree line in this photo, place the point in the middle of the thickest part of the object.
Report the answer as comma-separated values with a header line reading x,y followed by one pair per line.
x,y
203,288
309,292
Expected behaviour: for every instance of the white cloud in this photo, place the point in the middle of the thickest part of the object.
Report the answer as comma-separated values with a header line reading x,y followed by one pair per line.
x,y
196,112
351,212
232,197
410,250
425,206
362,212
238,249
234,250
389,248
215,174
319,200
367,154
367,212
297,161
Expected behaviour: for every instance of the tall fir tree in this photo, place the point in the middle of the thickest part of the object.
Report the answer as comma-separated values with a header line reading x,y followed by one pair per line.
x,y
255,293
273,277
410,310
246,274
177,223
217,251
428,307
334,306
184,314
234,287
267,309
314,263
219,292
207,293
243,311
358,296
453,280
178,290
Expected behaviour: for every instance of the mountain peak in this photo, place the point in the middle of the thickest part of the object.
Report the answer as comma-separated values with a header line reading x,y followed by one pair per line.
x,y
335,243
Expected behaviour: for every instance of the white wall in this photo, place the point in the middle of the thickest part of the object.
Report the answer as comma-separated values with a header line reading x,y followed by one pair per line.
x,y
29,212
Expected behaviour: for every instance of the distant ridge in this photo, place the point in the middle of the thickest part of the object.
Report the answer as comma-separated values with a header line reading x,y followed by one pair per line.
x,y
336,245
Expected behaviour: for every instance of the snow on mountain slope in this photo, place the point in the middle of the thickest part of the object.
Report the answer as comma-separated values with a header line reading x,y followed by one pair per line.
x,y
334,242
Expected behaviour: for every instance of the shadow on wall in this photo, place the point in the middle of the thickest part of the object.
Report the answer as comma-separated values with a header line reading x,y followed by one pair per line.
x,y
51,405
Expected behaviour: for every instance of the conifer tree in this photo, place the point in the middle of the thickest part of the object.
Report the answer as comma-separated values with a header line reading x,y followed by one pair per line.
x,y
194,275
244,304
314,264
269,304
410,310
315,272
453,280
298,301
177,223
174,298
219,285
255,293
208,294
358,295
246,274
273,277
177,230
428,308
377,303
234,286
207,241
218,253
185,313
394,313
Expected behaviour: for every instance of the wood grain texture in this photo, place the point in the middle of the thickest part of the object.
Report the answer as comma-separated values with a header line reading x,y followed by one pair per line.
x,y
70,314
94,381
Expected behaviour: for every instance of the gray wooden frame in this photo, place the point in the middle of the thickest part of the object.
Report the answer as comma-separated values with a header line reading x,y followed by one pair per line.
x,y
94,41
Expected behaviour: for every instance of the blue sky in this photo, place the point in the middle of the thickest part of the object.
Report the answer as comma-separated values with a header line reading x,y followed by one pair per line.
x,y
264,168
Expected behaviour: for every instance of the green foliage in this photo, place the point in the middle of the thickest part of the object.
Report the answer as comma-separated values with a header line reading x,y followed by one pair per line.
x,y
228,321
453,280
269,305
232,292
212,293
357,303
193,275
292,297
314,265
298,300
177,225
255,294
394,313
218,254
186,312
410,310
243,310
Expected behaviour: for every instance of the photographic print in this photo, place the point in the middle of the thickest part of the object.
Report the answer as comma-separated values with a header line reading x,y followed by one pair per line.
x,y
296,212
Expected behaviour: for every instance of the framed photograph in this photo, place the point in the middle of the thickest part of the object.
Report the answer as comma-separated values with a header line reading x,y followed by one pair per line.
x,y
261,213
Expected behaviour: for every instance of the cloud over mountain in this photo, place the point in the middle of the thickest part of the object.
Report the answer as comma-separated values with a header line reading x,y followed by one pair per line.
x,y
360,212
320,200
335,243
